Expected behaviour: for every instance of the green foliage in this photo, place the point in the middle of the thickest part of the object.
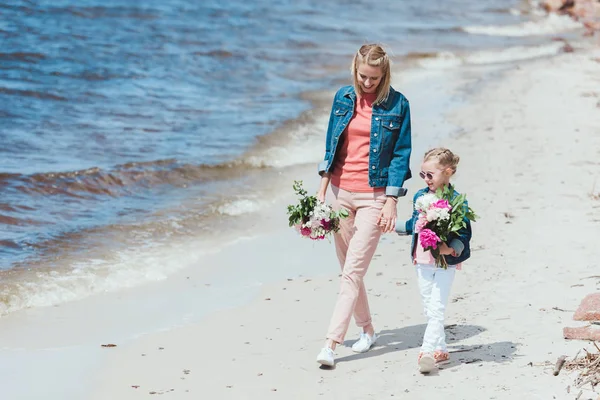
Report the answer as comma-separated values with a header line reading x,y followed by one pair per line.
x,y
445,229
300,213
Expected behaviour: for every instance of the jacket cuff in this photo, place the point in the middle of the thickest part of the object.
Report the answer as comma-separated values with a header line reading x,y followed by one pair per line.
x,y
401,228
457,246
322,166
395,191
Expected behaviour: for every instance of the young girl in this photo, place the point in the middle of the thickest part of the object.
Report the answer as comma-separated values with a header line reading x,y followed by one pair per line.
x,y
438,166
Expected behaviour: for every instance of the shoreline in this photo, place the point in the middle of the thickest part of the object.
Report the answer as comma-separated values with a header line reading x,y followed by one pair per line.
x,y
501,316
196,314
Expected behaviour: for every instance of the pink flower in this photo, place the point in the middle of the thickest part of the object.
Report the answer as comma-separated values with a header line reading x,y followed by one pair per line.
x,y
326,224
442,203
428,238
421,222
305,231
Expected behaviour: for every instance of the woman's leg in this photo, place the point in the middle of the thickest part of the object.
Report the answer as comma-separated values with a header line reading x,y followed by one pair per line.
x,y
352,298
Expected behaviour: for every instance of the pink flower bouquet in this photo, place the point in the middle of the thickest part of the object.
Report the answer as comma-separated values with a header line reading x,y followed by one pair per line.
x,y
441,215
313,219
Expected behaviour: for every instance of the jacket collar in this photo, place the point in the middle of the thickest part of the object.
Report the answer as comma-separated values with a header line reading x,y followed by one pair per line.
x,y
350,93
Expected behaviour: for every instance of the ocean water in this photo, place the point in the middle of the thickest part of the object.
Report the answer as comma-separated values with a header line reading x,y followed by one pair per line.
x,y
129,127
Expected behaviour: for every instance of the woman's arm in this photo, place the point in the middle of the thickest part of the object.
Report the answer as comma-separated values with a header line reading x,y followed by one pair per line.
x,y
321,193
399,169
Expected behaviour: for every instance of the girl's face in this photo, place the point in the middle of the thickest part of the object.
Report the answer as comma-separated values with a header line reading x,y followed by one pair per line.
x,y
434,174
368,77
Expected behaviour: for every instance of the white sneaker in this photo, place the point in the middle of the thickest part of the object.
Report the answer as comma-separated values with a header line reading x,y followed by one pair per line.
x,y
326,357
364,343
426,363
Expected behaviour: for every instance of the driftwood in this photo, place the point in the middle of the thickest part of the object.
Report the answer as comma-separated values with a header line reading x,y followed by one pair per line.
x,y
559,364
587,365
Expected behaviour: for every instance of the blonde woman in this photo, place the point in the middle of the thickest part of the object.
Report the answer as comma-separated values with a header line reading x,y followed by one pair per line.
x,y
366,163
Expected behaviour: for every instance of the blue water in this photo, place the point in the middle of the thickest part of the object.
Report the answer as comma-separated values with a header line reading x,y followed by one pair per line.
x,y
112,111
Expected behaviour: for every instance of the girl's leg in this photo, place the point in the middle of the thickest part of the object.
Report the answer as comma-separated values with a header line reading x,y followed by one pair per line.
x,y
425,279
435,336
352,298
444,280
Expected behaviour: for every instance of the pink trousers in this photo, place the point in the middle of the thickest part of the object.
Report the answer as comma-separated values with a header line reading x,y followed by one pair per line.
x,y
355,244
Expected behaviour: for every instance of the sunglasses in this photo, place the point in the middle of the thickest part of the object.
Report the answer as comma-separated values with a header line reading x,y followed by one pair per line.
x,y
427,175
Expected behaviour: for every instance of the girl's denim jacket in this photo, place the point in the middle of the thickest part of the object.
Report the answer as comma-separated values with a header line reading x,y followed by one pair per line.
x,y
459,241
390,143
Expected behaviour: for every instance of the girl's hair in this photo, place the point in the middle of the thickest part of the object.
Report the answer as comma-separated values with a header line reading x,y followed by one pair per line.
x,y
374,56
444,157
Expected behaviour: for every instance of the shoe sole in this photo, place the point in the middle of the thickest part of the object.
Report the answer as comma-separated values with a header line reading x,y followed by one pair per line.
x,y
426,365
326,363
363,351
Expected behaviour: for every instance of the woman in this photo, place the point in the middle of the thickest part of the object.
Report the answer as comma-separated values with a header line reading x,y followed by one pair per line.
x,y
366,161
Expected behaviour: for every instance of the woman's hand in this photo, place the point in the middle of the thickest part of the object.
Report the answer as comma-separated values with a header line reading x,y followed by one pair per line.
x,y
446,250
321,193
321,196
387,218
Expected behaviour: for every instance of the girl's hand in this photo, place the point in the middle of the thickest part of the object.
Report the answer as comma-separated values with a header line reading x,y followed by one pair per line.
x,y
446,250
387,218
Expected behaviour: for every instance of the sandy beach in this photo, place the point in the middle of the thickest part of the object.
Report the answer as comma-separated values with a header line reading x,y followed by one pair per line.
x,y
529,140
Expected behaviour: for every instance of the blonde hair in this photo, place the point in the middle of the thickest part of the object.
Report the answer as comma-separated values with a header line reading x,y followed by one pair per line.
x,y
444,157
374,56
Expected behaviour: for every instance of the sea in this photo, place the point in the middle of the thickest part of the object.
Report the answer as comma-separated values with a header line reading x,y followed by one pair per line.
x,y
129,128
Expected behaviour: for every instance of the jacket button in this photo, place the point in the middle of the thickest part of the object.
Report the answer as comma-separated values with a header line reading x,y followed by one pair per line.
x,y
374,150
376,118
372,167
375,135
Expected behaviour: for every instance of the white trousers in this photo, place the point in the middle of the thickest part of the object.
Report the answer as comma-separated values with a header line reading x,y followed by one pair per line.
x,y
434,285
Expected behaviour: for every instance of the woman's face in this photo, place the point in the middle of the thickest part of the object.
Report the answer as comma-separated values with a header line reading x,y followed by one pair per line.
x,y
369,77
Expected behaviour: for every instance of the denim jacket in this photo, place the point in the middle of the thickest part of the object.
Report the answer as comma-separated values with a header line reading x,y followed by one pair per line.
x,y
459,242
390,140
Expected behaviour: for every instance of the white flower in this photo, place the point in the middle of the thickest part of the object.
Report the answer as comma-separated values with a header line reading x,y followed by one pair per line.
x,y
424,201
443,214
434,214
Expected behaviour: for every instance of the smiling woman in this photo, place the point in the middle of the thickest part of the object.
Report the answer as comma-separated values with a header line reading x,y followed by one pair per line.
x,y
366,161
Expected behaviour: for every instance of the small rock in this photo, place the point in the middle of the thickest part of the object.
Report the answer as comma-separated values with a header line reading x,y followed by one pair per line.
x,y
589,309
590,332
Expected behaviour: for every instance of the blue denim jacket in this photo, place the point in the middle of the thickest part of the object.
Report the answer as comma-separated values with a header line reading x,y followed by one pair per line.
x,y
390,141
460,242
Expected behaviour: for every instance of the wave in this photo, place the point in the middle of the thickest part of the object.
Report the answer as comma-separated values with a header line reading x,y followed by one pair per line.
x,y
79,264
22,56
42,287
511,54
549,25
32,93
300,146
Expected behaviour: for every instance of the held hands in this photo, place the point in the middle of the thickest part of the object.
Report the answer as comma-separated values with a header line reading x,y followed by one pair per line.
x,y
387,218
446,250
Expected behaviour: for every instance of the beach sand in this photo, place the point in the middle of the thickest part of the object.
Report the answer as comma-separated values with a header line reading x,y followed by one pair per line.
x,y
529,141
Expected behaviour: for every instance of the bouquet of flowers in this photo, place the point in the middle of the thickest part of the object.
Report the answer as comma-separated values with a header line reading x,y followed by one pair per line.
x,y
312,218
441,215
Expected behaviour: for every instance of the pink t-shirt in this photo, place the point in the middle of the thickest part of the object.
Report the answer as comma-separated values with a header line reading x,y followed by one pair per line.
x,y
351,169
425,257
